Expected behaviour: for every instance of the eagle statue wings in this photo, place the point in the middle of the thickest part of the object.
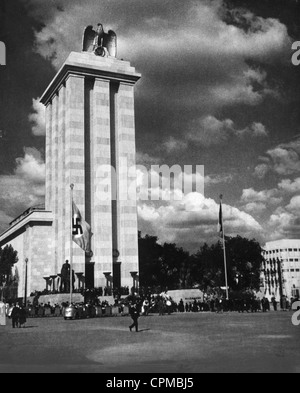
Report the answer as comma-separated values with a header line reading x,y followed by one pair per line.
x,y
101,43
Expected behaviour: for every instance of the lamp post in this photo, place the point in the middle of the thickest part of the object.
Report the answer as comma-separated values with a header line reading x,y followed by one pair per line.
x,y
26,275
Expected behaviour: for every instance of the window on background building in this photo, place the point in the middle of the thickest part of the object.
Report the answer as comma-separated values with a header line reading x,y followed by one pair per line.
x,y
296,293
295,249
298,270
293,270
291,260
290,249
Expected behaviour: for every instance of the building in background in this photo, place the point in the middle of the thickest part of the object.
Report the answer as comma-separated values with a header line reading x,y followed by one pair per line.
x,y
281,269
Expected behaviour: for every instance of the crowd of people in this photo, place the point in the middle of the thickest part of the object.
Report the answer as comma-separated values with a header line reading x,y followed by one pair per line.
x,y
142,305
162,304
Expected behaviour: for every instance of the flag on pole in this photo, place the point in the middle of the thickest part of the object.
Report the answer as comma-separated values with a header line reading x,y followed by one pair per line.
x,y
81,230
220,225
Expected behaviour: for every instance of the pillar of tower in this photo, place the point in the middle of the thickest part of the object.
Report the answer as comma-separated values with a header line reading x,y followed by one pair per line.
x,y
101,208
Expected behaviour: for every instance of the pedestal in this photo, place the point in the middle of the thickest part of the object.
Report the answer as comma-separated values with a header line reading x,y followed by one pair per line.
x,y
53,278
2,314
80,277
47,279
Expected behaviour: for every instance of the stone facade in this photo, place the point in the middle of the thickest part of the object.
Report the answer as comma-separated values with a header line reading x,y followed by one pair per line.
x,y
32,238
90,125
282,263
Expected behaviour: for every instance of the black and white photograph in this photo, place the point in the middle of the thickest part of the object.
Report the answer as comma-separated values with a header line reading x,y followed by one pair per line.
x,y
149,189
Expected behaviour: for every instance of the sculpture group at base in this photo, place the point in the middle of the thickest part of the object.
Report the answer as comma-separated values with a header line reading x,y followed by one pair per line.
x,y
65,278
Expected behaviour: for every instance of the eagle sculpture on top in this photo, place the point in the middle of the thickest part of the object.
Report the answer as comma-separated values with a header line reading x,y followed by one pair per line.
x,y
101,43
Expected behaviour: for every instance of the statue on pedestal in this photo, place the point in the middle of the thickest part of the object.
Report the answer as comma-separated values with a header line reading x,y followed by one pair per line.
x,y
65,278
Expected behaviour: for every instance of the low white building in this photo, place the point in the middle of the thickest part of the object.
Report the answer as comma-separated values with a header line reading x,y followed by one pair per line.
x,y
281,271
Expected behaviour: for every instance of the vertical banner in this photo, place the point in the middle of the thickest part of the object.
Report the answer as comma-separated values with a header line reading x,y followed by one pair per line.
x,y
2,314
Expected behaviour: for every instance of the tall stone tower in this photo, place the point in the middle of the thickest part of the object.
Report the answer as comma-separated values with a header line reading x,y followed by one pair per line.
x,y
90,126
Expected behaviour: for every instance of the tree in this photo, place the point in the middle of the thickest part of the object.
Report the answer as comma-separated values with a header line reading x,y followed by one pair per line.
x,y
150,257
244,259
8,258
162,266
175,266
167,266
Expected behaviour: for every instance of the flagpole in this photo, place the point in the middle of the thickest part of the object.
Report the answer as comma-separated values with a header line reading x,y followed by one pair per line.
x,y
224,249
71,246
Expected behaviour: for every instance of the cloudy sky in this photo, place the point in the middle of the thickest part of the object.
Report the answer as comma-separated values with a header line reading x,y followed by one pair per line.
x,y
218,89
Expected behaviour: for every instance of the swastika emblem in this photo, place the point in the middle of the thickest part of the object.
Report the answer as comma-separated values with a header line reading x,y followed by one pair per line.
x,y
77,228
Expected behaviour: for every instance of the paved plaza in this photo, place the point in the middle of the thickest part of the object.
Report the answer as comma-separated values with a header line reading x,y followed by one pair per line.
x,y
179,343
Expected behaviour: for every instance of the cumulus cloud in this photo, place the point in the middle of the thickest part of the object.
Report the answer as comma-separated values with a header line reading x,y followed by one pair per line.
x,y
256,130
185,218
283,224
255,207
261,171
212,131
194,220
290,186
282,160
218,179
266,196
173,145
25,187
37,118
31,167
241,89
294,205
285,221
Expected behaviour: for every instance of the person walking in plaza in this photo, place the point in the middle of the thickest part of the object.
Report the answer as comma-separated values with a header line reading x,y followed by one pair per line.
x,y
15,315
22,317
135,314
161,306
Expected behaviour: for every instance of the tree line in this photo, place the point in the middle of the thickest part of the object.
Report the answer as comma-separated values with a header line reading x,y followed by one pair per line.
x,y
166,266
